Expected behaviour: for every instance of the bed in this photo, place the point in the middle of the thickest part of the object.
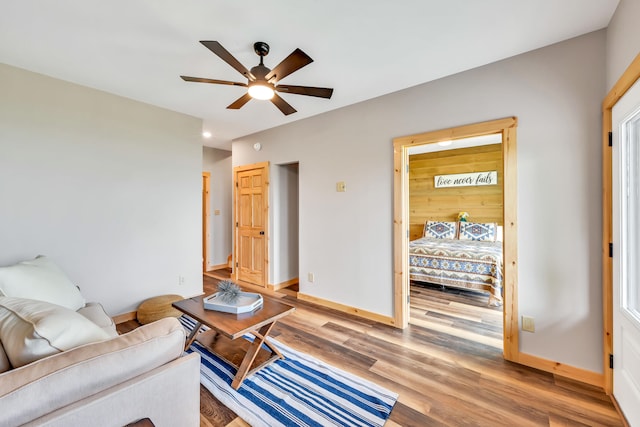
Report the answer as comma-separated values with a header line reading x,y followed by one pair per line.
x,y
458,261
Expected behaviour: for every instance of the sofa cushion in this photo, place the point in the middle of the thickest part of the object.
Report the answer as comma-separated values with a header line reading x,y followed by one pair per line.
x,y
40,279
39,388
31,330
4,361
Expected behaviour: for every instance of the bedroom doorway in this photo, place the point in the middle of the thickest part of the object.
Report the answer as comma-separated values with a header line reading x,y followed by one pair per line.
x,y
455,231
506,128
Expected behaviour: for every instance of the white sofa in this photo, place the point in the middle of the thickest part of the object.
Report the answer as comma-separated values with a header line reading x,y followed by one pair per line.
x,y
62,366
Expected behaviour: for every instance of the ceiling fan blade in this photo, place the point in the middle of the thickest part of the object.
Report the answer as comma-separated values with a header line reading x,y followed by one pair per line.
x,y
282,105
218,82
296,60
224,54
238,103
320,92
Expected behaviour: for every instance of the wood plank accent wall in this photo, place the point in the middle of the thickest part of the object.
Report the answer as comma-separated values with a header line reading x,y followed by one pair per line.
x,y
483,203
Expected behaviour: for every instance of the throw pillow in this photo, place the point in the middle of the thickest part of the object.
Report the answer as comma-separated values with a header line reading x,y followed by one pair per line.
x,y
478,231
40,279
441,229
31,330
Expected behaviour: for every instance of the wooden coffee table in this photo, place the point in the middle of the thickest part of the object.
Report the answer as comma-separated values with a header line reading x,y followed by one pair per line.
x,y
225,336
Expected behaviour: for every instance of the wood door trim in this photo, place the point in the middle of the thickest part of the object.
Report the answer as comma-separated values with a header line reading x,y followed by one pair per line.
x,y
206,235
236,170
624,83
507,127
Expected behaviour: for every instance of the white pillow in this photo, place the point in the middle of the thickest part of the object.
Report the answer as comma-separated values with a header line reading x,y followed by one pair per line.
x,y
42,280
31,330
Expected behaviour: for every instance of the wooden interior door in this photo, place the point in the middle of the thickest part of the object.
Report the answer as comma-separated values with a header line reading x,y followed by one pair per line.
x,y
251,201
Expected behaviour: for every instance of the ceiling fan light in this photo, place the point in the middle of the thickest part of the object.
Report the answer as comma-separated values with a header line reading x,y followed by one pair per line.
x,y
261,91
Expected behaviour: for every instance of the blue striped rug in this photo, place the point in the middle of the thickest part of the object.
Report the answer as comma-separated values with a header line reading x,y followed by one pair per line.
x,y
297,391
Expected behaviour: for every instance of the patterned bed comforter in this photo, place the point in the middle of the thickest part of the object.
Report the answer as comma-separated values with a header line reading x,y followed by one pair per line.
x,y
464,264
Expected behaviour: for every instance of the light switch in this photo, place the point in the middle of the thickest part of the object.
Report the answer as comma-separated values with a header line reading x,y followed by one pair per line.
x,y
341,187
216,212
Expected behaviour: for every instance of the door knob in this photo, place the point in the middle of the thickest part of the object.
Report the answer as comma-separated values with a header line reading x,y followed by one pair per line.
x,y
262,233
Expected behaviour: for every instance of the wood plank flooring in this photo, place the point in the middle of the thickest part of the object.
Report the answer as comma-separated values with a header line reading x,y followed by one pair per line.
x,y
461,313
447,366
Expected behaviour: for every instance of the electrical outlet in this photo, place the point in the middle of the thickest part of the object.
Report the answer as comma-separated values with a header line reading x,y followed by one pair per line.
x,y
310,277
341,187
528,324
180,280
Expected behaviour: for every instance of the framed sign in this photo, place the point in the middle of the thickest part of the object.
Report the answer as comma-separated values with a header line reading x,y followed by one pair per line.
x,y
471,179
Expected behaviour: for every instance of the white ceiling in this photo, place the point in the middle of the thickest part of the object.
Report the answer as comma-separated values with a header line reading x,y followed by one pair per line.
x,y
362,48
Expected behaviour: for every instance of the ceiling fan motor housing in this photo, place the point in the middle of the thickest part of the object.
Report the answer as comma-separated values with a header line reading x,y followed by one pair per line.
x,y
260,72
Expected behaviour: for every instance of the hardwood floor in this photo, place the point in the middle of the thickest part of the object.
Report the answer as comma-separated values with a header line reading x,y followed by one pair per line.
x,y
447,366
461,313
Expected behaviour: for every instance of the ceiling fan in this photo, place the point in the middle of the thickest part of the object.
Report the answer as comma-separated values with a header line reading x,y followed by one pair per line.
x,y
262,82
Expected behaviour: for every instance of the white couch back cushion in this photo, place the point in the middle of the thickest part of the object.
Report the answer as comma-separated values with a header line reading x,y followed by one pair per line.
x,y
40,279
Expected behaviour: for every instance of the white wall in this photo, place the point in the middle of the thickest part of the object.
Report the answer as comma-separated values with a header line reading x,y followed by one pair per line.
x,y
106,186
218,162
284,223
623,39
346,238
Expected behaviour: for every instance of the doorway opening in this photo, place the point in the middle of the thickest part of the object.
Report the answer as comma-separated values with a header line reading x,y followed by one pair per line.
x,y
455,238
285,230
507,129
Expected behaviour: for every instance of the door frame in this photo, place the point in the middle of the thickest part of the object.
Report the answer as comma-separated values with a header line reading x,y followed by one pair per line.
x,y
624,83
206,218
507,127
236,170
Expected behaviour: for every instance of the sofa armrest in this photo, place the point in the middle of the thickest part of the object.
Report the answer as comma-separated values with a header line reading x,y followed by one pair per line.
x,y
168,395
38,388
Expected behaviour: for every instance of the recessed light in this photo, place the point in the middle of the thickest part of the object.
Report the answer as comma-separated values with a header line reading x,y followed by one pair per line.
x,y
206,134
445,143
